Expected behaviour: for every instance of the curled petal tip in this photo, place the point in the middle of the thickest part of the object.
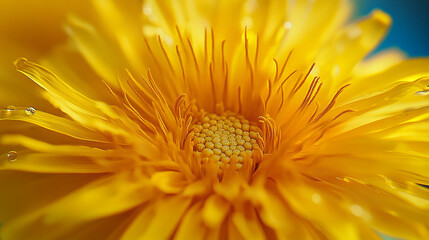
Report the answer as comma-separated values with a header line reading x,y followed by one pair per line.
x,y
381,17
20,63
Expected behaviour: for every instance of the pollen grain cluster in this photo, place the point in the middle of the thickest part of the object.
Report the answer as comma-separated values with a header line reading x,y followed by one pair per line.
x,y
226,136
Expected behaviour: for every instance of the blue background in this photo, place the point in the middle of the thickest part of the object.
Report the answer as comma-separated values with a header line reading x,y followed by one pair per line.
x,y
410,29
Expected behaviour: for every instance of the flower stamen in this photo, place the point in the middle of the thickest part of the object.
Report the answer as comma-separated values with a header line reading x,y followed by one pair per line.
x,y
226,136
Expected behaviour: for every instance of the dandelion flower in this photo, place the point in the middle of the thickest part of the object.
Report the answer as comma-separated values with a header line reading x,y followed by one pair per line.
x,y
219,120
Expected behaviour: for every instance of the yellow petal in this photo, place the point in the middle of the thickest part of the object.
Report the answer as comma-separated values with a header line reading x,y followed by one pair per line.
x,y
366,103
52,186
54,123
384,210
34,225
51,83
158,220
322,208
407,70
124,18
366,126
379,62
214,211
169,181
68,64
337,61
306,39
249,227
93,47
191,226
107,196
97,229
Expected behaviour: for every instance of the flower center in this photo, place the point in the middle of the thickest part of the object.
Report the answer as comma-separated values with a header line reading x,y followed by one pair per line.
x,y
226,137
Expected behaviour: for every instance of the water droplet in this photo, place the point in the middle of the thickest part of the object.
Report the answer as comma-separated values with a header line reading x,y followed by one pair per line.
x,y
30,111
316,198
147,9
11,155
168,40
336,70
7,112
247,21
288,25
357,210
354,32
422,93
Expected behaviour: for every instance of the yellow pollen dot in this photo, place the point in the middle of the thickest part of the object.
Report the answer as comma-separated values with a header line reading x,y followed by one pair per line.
x,y
222,137
207,152
217,151
200,147
228,153
225,148
218,145
244,121
209,145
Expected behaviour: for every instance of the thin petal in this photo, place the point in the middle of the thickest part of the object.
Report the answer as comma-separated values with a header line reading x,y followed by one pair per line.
x,y
51,83
93,47
214,211
54,123
105,197
159,220
45,188
407,70
169,181
248,226
191,226
379,62
337,61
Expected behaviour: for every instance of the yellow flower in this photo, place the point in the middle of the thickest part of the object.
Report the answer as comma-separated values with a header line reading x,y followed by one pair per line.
x,y
218,120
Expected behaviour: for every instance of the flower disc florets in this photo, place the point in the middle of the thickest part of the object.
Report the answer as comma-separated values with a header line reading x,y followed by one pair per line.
x,y
226,136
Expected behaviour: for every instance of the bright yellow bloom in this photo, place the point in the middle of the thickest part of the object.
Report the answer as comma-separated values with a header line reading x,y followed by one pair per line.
x,y
225,119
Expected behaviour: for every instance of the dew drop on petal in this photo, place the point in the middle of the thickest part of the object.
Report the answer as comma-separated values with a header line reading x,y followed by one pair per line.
x,y
422,93
336,70
287,25
316,198
11,156
30,111
247,22
354,32
357,210
147,10
8,111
